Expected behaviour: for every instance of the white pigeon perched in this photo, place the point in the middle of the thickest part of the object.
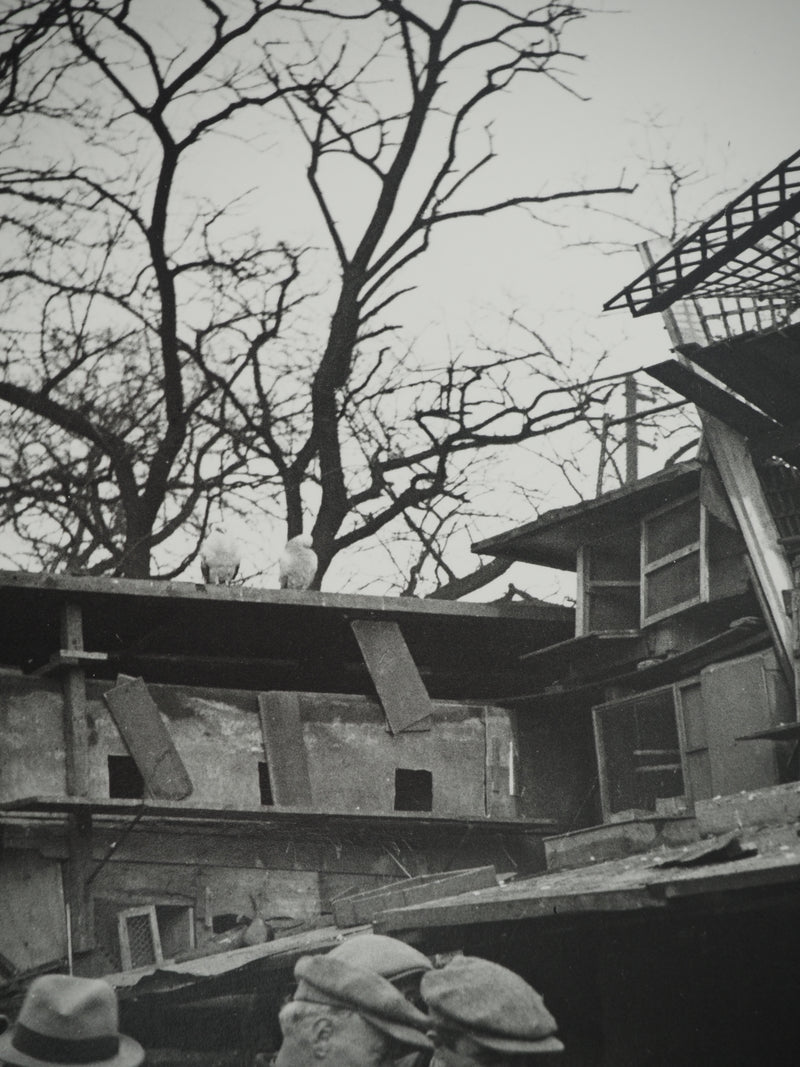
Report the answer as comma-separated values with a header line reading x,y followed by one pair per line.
x,y
220,558
298,563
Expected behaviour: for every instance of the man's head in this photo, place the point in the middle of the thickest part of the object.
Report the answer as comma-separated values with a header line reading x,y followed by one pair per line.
x,y
389,957
66,1020
485,1015
347,1016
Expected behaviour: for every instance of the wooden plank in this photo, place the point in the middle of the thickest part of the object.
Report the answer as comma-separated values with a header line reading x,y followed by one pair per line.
x,y
400,689
363,907
471,909
501,764
312,603
745,373
284,746
76,880
777,806
68,658
313,819
733,880
142,728
712,399
736,701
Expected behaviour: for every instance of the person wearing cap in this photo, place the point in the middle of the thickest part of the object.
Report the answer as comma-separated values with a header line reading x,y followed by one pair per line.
x,y
392,959
347,1016
484,1015
67,1020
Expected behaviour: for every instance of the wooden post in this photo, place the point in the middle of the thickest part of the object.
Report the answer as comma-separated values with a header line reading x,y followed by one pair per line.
x,y
76,759
76,751
76,888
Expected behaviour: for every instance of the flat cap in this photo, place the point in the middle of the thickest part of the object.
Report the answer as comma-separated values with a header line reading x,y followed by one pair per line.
x,y
383,955
494,1006
325,980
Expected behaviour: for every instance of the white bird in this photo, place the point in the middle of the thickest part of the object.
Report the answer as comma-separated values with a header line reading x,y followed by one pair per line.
x,y
220,558
298,563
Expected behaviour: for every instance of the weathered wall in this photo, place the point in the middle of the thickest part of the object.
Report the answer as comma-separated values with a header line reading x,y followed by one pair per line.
x,y
352,757
216,732
350,754
290,870
32,916
32,755
558,768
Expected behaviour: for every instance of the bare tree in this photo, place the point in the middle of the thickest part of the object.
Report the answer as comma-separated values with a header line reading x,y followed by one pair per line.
x,y
385,441
156,360
109,290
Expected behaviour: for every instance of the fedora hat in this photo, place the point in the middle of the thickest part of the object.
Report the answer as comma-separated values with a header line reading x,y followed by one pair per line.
x,y
69,1021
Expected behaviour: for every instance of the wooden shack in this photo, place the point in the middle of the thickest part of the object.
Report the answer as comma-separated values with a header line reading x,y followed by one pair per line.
x,y
176,757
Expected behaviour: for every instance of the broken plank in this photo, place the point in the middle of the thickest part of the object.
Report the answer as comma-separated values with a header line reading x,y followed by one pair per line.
x,y
142,728
400,688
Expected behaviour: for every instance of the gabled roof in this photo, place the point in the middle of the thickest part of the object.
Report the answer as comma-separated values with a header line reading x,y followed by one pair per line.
x,y
553,539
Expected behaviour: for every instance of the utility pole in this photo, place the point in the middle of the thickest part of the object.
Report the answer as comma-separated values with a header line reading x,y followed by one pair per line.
x,y
631,431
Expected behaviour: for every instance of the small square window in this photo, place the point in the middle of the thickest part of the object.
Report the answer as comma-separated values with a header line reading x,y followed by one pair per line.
x,y
124,778
413,790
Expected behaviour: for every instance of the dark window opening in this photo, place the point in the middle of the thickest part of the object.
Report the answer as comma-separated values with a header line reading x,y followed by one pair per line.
x,y
175,928
264,784
124,778
413,790
220,924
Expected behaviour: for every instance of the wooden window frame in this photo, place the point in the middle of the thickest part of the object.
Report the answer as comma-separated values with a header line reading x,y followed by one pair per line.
x,y
598,713
687,750
698,547
124,940
586,586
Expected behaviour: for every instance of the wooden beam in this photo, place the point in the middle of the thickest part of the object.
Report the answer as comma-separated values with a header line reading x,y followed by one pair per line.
x,y
147,738
713,399
69,658
268,818
76,769
400,688
285,749
76,751
76,880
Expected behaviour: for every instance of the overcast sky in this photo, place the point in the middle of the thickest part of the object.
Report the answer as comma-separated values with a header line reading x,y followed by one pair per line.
x,y
705,84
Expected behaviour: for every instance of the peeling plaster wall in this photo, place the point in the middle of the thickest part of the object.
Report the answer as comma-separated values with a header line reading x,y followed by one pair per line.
x,y
351,758
32,755
351,755
216,732
32,916
352,765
